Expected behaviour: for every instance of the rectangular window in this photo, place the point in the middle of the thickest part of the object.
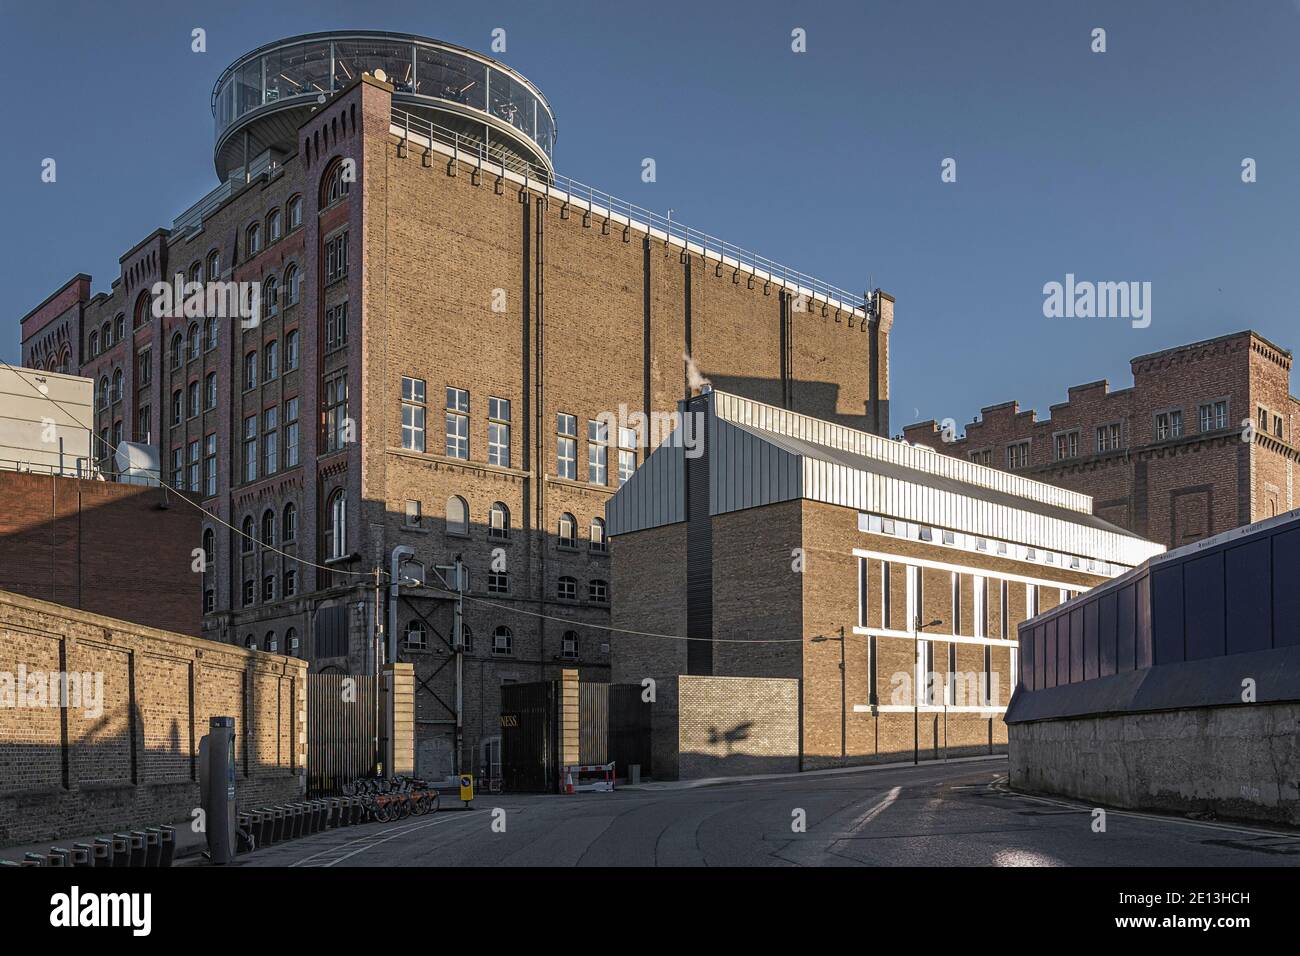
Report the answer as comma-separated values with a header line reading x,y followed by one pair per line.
x,y
336,257
1067,446
210,400
1169,425
863,617
1108,437
290,432
270,439
499,432
178,469
290,582
414,513
336,327
502,641
210,466
457,443
1214,415
413,411
250,447
566,446
336,412
627,441
144,424
178,408
498,582
597,453
1018,455
144,367
192,483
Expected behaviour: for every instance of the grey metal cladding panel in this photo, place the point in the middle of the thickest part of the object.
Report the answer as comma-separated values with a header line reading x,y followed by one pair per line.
x,y
748,470
652,497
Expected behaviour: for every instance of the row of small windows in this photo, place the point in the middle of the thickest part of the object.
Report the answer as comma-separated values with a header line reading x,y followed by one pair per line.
x,y
270,644
265,367
277,224
457,522
416,637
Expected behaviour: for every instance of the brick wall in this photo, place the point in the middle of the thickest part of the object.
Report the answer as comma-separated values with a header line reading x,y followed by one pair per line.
x,y
132,759
731,726
114,549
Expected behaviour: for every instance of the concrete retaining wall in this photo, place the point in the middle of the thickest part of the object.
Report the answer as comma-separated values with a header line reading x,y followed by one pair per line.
x,y
1240,761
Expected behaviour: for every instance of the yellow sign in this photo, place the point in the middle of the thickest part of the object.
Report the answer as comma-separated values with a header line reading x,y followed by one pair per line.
x,y
467,787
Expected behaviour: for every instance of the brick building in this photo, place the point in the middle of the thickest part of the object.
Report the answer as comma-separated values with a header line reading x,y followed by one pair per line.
x,y
1164,458
883,579
444,321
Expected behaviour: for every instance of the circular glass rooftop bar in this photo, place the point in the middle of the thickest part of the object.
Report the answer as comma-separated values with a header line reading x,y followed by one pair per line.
x,y
262,98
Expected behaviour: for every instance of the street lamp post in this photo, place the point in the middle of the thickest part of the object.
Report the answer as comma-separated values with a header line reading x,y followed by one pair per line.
x,y
844,728
917,628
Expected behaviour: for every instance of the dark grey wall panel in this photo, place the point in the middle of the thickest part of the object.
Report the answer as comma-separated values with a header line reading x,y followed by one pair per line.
x,y
1203,607
1248,585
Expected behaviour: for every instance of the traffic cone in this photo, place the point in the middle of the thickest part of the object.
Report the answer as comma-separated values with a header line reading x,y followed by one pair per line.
x,y
568,780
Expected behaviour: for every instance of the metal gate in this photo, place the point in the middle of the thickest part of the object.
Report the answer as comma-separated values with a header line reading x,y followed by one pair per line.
x,y
529,737
340,730
593,723
629,729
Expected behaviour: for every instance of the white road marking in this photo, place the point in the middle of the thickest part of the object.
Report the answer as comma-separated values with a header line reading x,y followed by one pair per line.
x,y
366,844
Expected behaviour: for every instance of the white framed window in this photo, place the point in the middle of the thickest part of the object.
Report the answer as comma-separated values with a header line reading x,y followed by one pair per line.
x,y
271,439
290,432
568,531
598,591
566,588
1169,424
1018,455
499,432
414,516
597,453
499,521
566,446
502,641
457,444
413,412
250,448
569,645
337,532
598,542
457,515
416,637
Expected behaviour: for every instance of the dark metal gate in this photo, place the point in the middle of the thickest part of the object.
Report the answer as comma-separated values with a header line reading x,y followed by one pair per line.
x,y
593,723
529,737
340,730
629,729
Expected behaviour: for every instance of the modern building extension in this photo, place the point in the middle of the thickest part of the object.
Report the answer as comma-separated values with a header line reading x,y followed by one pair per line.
x,y
447,328
805,594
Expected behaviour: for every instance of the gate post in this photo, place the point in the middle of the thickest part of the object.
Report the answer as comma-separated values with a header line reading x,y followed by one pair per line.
x,y
568,719
399,684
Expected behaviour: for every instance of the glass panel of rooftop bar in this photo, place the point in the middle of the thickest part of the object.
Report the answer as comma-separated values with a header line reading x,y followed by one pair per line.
x,y
450,76
297,70
354,57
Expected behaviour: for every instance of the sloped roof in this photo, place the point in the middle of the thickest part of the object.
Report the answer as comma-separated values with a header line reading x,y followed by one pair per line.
x,y
759,454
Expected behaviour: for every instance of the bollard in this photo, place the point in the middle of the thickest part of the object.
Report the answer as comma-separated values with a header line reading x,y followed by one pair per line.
x,y
298,819
137,849
121,849
322,816
58,856
83,854
271,824
281,824
35,859
257,820
166,844
103,852
332,819
152,848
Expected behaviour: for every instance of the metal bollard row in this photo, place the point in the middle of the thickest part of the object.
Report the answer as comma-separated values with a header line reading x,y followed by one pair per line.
x,y
153,846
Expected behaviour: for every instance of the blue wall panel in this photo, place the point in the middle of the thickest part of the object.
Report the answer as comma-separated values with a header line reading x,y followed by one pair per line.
x,y
1203,607
1107,651
1249,582
1126,629
1286,588
1167,614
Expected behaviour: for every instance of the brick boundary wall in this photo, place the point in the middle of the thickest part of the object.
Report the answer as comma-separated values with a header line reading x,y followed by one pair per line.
x,y
68,771
1239,762
731,726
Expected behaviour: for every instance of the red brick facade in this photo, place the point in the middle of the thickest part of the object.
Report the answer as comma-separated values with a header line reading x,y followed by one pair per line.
x,y
1169,458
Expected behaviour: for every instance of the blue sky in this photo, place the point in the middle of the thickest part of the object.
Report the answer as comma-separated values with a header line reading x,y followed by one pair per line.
x,y
1119,166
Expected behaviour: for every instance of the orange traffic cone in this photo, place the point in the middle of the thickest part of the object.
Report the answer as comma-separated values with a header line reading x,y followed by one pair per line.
x,y
568,781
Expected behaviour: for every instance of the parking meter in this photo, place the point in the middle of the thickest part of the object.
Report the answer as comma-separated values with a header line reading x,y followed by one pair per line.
x,y
217,788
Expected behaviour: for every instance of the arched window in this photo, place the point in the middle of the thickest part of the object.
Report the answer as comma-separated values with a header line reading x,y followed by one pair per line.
x,y
291,642
271,295
290,523
291,350
117,385
503,641
250,642
598,534
567,588
210,333
196,271
292,285
178,350
295,212
119,327
103,392
210,390
141,310
250,370
569,645
106,335
209,547
499,521
271,644
457,515
334,187
194,340
274,226
92,346
248,539
268,527
337,531
568,531
253,240
214,265
271,360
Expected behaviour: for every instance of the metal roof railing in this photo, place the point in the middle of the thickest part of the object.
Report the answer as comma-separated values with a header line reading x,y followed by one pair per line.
x,y
606,205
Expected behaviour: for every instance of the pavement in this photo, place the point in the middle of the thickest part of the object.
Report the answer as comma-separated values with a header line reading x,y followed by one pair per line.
x,y
954,814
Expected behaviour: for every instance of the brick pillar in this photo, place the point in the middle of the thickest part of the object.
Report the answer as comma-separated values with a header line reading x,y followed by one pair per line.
x,y
568,717
399,692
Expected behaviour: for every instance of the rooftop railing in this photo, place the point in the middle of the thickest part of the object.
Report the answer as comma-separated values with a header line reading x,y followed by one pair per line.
x,y
601,203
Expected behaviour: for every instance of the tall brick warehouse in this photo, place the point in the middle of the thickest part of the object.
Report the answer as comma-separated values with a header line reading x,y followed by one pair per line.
x,y
1169,458
444,319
